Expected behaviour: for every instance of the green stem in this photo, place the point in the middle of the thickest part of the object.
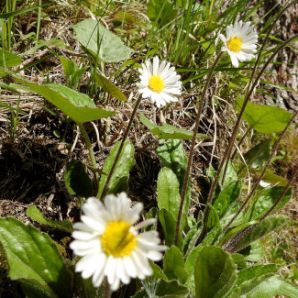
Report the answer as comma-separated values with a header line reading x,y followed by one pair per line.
x,y
38,20
105,188
191,151
90,150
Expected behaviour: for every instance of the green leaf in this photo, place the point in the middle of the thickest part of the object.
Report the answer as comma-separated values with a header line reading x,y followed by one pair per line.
x,y
101,42
265,119
215,273
78,106
76,180
173,156
109,87
213,219
249,277
168,196
272,287
254,232
168,224
265,199
167,131
173,265
258,155
34,213
32,255
120,176
170,289
227,197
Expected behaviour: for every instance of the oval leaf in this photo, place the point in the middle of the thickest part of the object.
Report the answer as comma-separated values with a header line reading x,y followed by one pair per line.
x,y
32,255
101,42
215,273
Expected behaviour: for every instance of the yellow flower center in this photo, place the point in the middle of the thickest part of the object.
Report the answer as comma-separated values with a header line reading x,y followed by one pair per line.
x,y
156,83
117,240
234,44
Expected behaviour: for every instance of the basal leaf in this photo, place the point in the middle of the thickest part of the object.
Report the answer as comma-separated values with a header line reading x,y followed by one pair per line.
x,y
254,232
258,155
8,59
173,265
120,176
76,180
227,197
34,213
167,131
32,255
263,118
273,287
101,42
168,196
78,106
215,273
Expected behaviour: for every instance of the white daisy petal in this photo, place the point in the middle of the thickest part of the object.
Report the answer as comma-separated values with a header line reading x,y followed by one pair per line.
x,y
240,42
106,240
155,78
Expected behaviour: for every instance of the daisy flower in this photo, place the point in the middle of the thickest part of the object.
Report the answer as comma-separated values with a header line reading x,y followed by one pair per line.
x,y
159,82
240,42
111,244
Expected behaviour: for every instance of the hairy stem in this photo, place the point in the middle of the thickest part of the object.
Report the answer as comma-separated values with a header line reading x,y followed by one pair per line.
x,y
234,134
105,188
192,146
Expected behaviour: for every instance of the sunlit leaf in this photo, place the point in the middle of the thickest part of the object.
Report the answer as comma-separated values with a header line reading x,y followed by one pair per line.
x,y
265,119
34,213
167,131
101,42
32,255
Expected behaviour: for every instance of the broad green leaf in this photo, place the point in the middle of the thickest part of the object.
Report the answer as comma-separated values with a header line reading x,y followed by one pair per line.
x,y
168,196
167,131
254,232
101,42
168,224
158,272
170,289
78,106
265,199
249,277
32,255
76,180
272,287
34,213
215,273
258,155
173,265
265,119
173,156
273,179
227,197
109,87
213,219
120,176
